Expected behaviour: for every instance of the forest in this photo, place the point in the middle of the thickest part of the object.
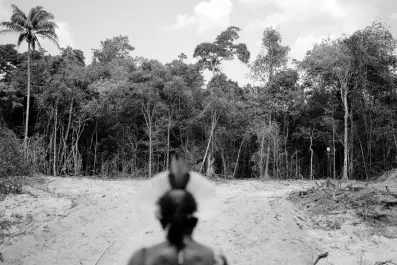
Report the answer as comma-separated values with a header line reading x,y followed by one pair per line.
x,y
332,114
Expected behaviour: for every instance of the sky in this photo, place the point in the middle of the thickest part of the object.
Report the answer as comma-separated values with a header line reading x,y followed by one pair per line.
x,y
164,29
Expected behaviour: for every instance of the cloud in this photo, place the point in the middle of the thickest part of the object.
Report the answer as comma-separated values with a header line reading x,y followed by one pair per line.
x,y
346,15
207,15
65,34
5,12
215,13
254,4
182,21
393,16
305,43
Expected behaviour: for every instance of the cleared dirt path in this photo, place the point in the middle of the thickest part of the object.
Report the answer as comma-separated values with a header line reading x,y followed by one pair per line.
x,y
255,225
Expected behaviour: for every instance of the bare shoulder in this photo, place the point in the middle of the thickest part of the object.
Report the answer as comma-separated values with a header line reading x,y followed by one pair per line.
x,y
202,248
215,257
163,253
138,257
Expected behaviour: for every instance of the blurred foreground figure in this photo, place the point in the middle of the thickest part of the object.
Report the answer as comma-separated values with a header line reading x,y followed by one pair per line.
x,y
179,198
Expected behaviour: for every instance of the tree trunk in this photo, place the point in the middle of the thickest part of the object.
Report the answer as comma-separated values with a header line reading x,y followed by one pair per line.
x,y
268,154
370,143
77,162
65,139
168,139
333,143
311,155
96,146
274,159
25,140
214,121
55,140
394,134
150,146
346,139
238,156
148,119
210,165
365,164
271,73
261,157
225,171
287,165
351,146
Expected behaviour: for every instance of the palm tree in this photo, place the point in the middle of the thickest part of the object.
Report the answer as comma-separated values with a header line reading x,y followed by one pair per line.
x,y
29,27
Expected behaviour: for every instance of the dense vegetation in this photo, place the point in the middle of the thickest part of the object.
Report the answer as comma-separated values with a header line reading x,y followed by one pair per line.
x,y
333,114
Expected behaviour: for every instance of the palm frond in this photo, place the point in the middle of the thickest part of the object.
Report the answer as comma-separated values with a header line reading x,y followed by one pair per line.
x,y
47,32
19,21
33,11
51,38
38,43
18,16
21,38
49,35
12,26
46,25
7,31
41,17
17,11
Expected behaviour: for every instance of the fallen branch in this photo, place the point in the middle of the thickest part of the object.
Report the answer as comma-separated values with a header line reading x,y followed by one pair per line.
x,y
20,232
321,256
104,253
384,262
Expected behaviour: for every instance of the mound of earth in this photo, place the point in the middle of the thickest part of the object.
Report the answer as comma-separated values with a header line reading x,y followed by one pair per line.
x,y
389,176
332,204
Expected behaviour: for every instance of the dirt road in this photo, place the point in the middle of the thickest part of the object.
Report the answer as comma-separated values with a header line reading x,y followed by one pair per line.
x,y
75,220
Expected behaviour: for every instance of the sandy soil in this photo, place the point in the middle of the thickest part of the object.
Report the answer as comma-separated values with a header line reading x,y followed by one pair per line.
x,y
73,221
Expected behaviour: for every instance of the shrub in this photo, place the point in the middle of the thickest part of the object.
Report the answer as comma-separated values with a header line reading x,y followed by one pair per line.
x,y
12,163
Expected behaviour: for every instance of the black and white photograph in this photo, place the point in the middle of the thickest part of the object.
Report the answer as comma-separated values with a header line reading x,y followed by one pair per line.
x,y
198,132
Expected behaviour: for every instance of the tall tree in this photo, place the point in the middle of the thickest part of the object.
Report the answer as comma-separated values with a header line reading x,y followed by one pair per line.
x,y
176,95
374,61
333,58
29,27
272,57
212,54
115,48
146,84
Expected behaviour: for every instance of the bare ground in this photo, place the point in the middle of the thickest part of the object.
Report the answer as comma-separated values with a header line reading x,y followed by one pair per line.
x,y
84,221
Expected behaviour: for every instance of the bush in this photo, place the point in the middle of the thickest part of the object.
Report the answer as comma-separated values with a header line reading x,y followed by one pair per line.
x,y
12,163
10,185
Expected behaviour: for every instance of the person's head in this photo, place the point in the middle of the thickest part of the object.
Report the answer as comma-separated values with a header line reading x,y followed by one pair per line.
x,y
176,214
176,207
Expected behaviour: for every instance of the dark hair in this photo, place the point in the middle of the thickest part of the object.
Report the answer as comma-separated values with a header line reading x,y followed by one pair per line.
x,y
176,209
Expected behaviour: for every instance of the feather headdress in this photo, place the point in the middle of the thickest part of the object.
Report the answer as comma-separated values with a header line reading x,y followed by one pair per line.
x,y
179,177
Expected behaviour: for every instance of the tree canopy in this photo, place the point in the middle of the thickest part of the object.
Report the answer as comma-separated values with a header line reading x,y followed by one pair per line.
x,y
329,115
